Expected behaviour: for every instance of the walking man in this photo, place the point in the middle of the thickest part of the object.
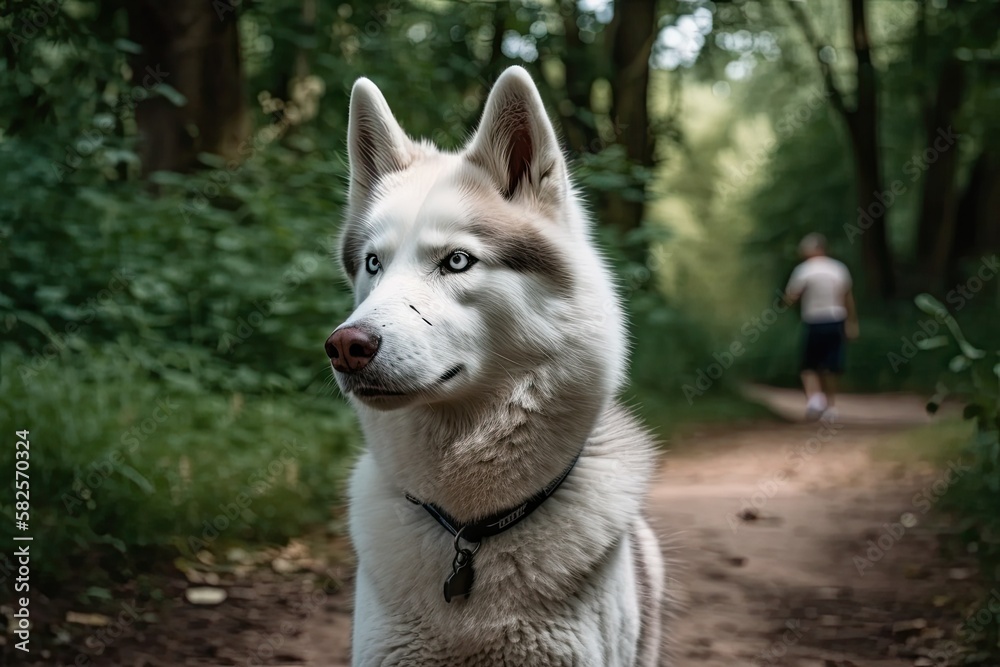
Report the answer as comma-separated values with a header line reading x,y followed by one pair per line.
x,y
830,319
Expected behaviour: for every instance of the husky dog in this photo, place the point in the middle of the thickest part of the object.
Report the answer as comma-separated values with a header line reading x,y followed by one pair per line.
x,y
497,511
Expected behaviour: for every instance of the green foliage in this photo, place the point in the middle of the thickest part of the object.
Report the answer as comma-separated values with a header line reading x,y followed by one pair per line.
x,y
611,171
822,203
209,291
120,462
973,374
667,344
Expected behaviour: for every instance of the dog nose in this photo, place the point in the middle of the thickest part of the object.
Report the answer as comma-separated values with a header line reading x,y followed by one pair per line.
x,y
350,349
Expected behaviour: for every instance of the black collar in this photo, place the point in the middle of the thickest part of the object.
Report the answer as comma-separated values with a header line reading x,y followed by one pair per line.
x,y
496,523
459,583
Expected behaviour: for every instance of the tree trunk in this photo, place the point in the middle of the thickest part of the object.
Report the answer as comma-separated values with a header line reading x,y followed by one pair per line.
x,y
577,117
977,227
192,46
863,126
987,213
498,63
936,226
290,60
631,34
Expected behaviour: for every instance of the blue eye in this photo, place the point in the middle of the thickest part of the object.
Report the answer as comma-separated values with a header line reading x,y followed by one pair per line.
x,y
458,261
372,265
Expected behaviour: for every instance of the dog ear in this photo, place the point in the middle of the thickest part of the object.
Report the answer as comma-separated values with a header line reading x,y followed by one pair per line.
x,y
376,144
516,143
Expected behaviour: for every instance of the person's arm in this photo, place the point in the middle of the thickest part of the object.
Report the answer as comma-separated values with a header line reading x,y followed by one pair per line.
x,y
795,287
851,325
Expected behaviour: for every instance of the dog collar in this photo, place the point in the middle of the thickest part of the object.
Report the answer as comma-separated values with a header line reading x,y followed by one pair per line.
x,y
459,582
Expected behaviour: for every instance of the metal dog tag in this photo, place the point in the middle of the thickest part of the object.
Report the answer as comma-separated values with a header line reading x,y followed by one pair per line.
x,y
459,582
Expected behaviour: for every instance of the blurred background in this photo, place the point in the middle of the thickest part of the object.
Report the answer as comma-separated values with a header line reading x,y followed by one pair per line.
x,y
173,176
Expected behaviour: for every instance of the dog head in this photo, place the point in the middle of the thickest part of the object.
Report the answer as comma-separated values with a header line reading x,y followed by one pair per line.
x,y
469,269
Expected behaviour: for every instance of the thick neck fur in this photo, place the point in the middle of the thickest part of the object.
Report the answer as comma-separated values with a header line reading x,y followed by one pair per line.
x,y
479,457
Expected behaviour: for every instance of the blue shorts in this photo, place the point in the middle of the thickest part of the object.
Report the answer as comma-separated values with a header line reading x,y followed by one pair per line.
x,y
824,346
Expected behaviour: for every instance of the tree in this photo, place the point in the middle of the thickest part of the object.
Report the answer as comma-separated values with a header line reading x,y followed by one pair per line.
x,y
952,220
939,202
630,42
193,47
977,220
581,72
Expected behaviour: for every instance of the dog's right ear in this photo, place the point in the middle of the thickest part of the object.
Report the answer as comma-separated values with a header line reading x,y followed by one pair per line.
x,y
516,143
376,144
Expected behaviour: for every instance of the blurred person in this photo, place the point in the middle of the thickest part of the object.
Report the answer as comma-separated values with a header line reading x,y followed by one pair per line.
x,y
830,319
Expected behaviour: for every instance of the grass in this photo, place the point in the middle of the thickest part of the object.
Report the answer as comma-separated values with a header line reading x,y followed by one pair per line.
x,y
122,463
936,443
668,416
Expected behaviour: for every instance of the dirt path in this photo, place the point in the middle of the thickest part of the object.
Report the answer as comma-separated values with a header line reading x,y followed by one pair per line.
x,y
767,527
771,527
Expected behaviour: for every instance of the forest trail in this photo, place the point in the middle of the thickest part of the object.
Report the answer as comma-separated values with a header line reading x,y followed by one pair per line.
x,y
794,581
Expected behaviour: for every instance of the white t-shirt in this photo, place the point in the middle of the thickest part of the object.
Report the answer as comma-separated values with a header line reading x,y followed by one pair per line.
x,y
823,283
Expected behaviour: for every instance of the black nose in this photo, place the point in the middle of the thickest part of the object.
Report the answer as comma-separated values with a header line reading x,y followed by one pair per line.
x,y
351,348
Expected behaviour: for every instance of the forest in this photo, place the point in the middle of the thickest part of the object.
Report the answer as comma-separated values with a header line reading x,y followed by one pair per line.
x,y
174,174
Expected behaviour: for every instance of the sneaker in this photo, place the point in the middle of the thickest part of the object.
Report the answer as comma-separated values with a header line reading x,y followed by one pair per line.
x,y
831,415
816,406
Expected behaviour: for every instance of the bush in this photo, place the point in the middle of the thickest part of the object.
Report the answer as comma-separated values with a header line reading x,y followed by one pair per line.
x,y
974,376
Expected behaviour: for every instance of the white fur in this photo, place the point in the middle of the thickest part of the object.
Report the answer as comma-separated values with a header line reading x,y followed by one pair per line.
x,y
542,350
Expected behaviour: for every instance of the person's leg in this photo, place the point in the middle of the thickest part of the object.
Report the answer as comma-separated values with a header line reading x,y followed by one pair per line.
x,y
812,359
833,367
816,403
828,381
810,380
811,383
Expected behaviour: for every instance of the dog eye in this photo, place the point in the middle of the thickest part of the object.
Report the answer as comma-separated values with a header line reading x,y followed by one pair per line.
x,y
458,261
372,265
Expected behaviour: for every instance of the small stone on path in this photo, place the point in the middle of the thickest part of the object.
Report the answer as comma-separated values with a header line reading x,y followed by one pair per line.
x,y
205,595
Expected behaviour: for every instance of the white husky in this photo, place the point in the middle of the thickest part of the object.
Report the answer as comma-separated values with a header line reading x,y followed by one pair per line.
x,y
483,357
